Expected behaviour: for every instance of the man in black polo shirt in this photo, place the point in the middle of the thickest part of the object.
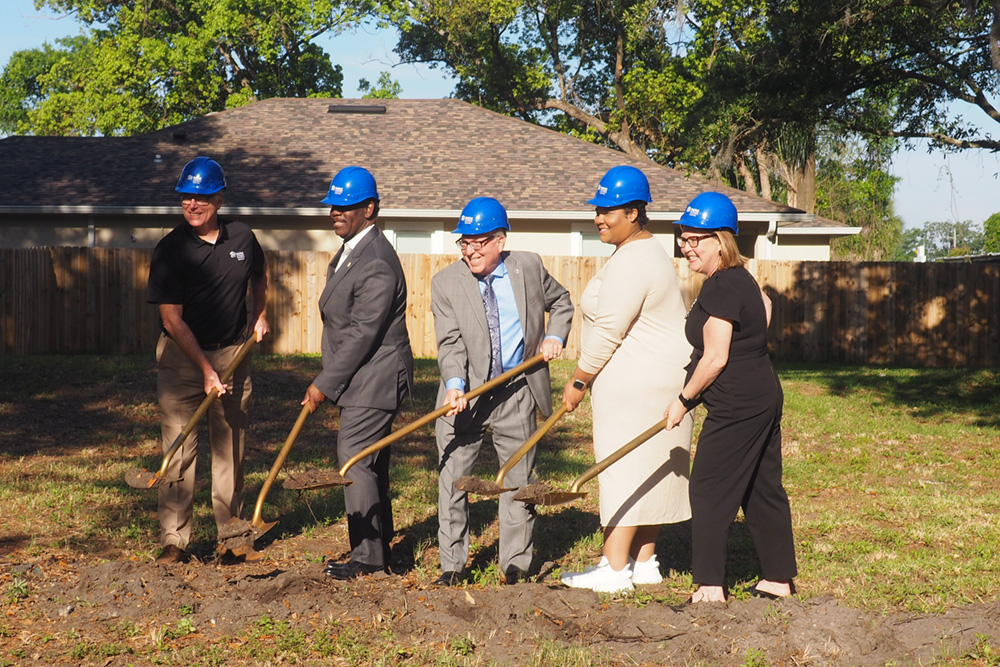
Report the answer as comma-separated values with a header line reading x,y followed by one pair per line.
x,y
198,277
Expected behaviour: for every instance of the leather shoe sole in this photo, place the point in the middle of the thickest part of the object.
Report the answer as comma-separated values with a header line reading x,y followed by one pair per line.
x,y
350,570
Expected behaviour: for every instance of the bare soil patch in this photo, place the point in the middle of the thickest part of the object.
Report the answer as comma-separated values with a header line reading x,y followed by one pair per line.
x,y
75,597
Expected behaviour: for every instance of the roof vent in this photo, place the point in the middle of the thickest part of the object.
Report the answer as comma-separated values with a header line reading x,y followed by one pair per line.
x,y
180,136
361,108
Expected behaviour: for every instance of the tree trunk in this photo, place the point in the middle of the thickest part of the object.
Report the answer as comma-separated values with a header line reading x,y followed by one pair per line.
x,y
764,169
749,183
801,183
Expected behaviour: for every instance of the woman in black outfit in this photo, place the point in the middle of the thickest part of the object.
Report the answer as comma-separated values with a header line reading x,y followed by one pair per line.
x,y
738,460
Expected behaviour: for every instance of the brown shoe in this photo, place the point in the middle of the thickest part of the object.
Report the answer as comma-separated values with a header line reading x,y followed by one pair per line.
x,y
171,554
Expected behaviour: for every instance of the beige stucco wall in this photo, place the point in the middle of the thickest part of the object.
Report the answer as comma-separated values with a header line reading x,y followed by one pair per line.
x,y
410,235
792,247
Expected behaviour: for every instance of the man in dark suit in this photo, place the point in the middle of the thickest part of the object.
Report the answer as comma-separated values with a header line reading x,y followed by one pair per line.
x,y
489,316
367,362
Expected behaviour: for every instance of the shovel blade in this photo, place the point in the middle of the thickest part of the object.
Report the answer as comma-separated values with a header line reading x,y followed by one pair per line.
x,y
262,527
539,494
314,478
145,480
481,487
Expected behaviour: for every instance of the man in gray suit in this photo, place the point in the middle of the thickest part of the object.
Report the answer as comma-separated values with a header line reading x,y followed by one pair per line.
x,y
489,316
367,362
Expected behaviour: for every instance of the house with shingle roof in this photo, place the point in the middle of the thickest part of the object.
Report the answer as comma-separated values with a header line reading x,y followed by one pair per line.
x,y
429,158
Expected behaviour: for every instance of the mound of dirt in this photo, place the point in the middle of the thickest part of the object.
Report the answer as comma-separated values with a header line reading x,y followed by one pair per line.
x,y
503,623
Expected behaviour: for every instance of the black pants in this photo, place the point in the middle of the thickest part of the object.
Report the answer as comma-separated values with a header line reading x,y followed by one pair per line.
x,y
738,464
367,501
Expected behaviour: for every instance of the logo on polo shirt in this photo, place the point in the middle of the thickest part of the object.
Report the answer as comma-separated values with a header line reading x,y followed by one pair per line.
x,y
238,256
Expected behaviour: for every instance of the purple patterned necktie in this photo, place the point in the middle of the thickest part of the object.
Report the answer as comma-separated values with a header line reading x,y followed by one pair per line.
x,y
493,320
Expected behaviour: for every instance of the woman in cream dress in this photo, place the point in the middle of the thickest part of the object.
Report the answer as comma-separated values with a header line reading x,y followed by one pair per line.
x,y
632,360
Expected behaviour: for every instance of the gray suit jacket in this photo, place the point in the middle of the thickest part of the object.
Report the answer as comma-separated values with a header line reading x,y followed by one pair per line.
x,y
463,336
367,360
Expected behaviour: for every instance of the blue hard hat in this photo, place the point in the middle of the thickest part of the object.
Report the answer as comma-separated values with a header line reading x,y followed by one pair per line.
x,y
201,176
351,185
481,216
710,210
620,186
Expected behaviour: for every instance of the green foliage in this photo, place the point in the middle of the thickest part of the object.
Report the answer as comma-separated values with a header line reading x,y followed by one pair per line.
x,y
754,657
991,233
20,88
386,88
139,67
17,590
942,239
719,87
185,627
463,646
586,67
984,653
855,187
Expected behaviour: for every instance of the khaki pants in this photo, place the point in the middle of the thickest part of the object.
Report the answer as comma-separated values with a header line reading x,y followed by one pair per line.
x,y
180,389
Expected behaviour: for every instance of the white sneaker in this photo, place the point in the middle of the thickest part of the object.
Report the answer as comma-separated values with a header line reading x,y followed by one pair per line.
x,y
601,579
645,571
569,577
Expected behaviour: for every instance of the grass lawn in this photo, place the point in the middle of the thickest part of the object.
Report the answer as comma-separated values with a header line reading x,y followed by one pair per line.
x,y
892,475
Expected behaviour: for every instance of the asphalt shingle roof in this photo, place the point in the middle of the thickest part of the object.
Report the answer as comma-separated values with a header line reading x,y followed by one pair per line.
x,y
282,153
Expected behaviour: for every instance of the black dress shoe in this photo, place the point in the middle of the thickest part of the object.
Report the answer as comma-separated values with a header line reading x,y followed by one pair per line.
x,y
352,569
514,576
449,579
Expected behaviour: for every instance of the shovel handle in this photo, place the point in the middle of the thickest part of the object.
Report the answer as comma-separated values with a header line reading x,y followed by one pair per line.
x,y
440,412
617,455
226,376
529,443
280,461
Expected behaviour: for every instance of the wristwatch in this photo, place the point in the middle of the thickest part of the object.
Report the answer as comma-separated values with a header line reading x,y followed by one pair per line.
x,y
579,385
688,403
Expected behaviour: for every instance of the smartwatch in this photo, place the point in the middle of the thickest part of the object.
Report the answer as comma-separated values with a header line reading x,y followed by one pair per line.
x,y
579,385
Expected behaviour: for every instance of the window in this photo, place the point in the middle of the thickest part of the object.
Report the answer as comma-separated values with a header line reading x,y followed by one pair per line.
x,y
592,246
413,243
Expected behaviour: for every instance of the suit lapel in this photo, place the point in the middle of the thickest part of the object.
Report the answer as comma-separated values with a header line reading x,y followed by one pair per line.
x,y
470,287
356,256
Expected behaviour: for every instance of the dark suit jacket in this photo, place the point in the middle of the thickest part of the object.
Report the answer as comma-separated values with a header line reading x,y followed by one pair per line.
x,y
463,336
367,360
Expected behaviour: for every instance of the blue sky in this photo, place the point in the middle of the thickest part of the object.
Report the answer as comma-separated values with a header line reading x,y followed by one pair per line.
x,y
934,187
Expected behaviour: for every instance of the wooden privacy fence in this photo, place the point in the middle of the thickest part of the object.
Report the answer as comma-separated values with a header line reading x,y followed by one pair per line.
x,y
93,300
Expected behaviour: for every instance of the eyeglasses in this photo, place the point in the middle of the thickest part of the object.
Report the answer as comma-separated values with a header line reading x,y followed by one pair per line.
x,y
198,200
477,245
692,241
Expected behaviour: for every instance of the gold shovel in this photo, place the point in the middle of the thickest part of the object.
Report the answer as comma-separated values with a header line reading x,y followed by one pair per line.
x,y
485,487
321,479
143,479
540,494
238,535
